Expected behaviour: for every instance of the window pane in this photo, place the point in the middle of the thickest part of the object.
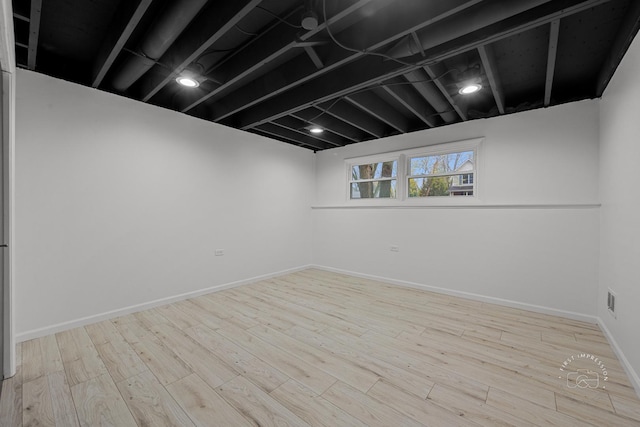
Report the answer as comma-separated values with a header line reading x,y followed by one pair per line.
x,y
452,162
374,190
375,170
454,185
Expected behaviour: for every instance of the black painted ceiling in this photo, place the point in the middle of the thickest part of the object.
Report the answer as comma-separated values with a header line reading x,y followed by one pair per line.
x,y
371,68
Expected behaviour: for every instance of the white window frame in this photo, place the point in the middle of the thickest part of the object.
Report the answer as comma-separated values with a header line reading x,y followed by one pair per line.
x,y
402,184
378,158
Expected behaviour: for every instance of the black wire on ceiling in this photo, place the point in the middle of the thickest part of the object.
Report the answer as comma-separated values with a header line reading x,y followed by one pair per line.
x,y
363,51
371,53
284,21
377,86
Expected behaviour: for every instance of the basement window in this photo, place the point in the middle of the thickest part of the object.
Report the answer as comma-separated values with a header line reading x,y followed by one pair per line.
x,y
374,180
448,174
442,172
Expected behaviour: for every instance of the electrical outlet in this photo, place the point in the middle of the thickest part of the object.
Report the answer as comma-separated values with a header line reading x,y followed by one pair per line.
x,y
395,248
611,303
219,252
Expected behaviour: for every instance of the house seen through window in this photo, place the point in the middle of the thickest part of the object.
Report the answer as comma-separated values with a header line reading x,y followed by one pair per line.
x,y
441,175
445,170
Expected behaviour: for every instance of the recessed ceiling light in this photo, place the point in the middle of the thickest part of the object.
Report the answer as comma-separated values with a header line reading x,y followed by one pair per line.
x,y
188,81
316,129
470,88
309,20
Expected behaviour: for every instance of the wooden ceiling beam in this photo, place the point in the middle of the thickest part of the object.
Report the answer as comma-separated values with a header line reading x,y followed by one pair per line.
x,y
262,88
348,79
296,72
419,79
491,71
355,117
542,15
20,17
554,32
301,127
121,28
436,72
345,130
365,72
207,28
404,93
376,107
279,40
34,33
313,55
282,132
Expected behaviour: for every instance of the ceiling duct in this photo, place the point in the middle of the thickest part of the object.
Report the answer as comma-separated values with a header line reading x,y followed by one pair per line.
x,y
457,26
166,29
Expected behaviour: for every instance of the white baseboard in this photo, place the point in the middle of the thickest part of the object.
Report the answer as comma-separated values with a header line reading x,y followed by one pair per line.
x,y
468,295
631,373
59,327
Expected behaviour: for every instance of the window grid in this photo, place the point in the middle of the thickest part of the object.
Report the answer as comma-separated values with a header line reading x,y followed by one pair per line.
x,y
458,178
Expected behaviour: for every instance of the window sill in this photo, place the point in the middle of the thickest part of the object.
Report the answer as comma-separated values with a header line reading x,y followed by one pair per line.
x,y
465,206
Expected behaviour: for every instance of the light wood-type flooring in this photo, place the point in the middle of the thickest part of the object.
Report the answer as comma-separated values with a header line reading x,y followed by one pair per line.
x,y
322,349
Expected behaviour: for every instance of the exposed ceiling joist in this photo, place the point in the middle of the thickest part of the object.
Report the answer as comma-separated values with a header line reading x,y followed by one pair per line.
x,y
313,55
382,36
554,32
444,31
283,132
627,32
491,70
367,73
261,89
436,73
266,48
420,81
120,30
34,32
520,23
374,106
20,17
409,98
161,35
355,117
300,126
256,69
354,76
337,126
209,27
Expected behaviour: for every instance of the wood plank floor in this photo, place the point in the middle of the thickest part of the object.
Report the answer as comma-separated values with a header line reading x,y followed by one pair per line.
x,y
322,349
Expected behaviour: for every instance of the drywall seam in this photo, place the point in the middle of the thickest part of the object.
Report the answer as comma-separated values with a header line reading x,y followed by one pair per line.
x,y
631,373
59,327
468,295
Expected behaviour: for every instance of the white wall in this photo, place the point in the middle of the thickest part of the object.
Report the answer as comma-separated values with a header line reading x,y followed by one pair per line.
x,y
120,203
543,256
620,224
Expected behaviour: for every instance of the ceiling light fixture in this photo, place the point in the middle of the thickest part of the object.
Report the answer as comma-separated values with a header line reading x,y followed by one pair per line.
x,y
309,17
187,81
316,129
469,81
469,88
